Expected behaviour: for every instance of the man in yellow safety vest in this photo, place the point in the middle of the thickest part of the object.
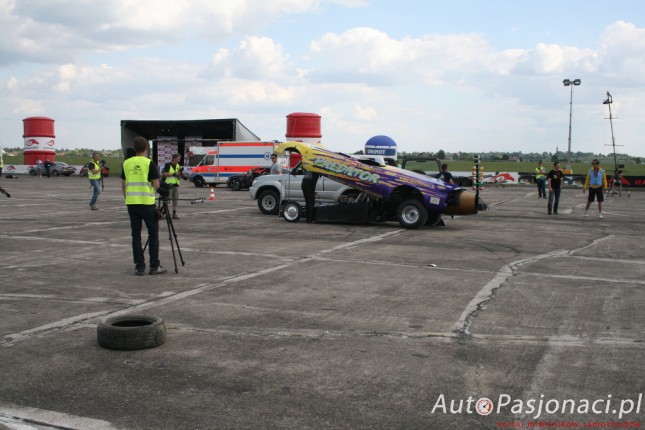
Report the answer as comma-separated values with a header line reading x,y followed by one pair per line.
x,y
94,175
140,179
540,179
171,175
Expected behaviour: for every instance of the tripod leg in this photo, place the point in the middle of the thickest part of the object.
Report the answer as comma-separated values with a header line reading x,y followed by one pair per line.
x,y
172,226
172,247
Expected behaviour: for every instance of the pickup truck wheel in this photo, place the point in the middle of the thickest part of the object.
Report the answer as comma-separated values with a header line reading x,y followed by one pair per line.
x,y
235,184
411,214
199,181
268,202
292,212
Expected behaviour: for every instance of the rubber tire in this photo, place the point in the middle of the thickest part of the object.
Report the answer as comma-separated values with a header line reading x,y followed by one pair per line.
x,y
269,202
199,181
411,214
131,332
235,185
55,173
292,211
32,172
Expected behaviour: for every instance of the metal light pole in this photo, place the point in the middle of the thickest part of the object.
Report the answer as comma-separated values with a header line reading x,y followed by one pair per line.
x,y
571,83
608,102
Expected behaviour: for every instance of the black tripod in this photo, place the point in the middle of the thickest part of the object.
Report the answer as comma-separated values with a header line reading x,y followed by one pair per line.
x,y
163,212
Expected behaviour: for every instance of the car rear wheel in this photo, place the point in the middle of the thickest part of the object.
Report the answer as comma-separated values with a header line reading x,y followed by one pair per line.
x,y
55,173
32,172
411,214
268,202
292,212
199,181
235,184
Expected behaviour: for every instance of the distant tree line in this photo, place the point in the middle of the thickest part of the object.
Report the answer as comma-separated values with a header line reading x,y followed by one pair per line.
x,y
84,152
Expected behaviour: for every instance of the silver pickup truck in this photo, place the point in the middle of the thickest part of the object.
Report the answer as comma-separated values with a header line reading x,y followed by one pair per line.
x,y
269,190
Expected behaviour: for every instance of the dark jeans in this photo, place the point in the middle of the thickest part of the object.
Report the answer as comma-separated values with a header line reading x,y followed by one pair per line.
x,y
309,190
541,185
554,199
147,214
96,184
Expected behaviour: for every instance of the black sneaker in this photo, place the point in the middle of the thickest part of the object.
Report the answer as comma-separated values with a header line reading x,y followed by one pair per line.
x,y
157,271
139,272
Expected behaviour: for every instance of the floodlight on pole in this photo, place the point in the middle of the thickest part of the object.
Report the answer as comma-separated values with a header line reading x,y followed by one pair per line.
x,y
608,102
570,83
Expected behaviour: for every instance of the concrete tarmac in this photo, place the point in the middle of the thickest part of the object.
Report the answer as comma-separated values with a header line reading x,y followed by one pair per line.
x,y
511,317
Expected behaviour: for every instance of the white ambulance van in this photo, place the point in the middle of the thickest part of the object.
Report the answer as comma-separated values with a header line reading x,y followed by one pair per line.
x,y
227,159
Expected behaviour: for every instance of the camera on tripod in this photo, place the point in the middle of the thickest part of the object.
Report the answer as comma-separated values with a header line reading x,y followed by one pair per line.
x,y
164,190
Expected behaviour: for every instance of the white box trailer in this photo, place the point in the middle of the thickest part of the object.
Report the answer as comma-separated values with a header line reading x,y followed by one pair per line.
x,y
227,159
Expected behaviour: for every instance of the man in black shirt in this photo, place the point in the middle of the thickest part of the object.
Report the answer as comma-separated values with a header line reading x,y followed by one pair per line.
x,y
555,184
445,175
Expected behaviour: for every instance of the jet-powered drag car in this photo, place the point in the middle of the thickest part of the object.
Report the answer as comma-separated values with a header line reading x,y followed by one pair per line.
x,y
387,192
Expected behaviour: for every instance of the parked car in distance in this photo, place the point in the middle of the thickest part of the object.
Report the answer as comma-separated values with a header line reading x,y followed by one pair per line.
x,y
237,182
105,170
57,168
270,190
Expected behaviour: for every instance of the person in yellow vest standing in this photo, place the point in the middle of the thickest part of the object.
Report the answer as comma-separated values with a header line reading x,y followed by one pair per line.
x,y
140,178
171,175
540,179
94,175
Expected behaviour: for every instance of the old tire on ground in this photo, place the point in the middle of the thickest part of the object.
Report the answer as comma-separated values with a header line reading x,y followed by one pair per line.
x,y
411,214
292,211
131,332
268,202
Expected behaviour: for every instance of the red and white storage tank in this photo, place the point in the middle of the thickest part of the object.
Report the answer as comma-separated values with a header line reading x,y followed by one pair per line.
x,y
39,139
302,127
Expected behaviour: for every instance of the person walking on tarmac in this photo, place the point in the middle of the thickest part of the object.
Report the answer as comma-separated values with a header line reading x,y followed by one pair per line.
x,y
94,175
596,181
555,185
540,179
140,179
171,175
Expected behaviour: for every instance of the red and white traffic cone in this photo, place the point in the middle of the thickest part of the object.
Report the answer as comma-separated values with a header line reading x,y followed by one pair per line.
x,y
212,196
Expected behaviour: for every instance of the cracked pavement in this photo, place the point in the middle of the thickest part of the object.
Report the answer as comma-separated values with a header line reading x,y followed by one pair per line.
x,y
282,325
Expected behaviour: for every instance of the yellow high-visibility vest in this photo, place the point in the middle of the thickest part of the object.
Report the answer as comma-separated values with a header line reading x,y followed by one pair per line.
x,y
138,190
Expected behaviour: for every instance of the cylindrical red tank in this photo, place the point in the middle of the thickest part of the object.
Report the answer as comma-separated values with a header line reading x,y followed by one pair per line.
x,y
39,139
303,127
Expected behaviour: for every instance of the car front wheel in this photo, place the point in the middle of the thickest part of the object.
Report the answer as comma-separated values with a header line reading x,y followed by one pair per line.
x,y
199,181
292,212
55,173
411,214
268,202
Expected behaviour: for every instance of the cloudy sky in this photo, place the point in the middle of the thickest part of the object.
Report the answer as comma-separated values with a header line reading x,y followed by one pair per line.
x,y
458,75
